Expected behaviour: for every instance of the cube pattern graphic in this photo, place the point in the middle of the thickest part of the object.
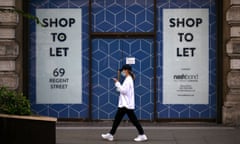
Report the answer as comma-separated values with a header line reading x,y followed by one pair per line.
x,y
123,16
108,55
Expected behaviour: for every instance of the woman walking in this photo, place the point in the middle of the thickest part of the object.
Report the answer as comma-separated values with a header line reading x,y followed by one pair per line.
x,y
126,105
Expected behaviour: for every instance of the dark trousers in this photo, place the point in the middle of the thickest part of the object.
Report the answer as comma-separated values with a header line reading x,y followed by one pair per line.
x,y
131,115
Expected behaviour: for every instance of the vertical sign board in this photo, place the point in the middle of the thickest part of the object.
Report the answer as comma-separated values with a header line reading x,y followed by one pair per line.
x,y
185,56
58,56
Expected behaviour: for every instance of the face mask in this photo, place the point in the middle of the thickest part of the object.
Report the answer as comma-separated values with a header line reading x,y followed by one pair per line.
x,y
123,73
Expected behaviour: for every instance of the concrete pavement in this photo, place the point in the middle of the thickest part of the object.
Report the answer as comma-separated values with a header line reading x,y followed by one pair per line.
x,y
158,133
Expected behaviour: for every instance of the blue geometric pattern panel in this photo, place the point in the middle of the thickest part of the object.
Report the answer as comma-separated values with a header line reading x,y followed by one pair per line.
x,y
60,110
188,111
122,15
108,56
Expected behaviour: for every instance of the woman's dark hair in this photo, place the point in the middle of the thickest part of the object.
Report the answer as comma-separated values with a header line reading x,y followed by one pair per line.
x,y
129,68
132,74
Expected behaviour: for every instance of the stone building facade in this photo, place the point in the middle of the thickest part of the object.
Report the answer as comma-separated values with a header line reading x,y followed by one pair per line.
x,y
12,48
231,56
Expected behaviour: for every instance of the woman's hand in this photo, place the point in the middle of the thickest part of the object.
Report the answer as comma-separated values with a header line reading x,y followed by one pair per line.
x,y
115,80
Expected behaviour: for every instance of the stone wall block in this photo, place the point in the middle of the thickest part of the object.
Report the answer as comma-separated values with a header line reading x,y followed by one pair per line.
x,y
233,97
8,18
9,50
233,47
7,33
233,15
8,3
235,64
235,31
9,80
235,2
231,115
228,115
234,91
233,79
7,66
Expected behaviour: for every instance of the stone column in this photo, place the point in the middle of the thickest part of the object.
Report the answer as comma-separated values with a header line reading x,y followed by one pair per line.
x,y
9,48
231,108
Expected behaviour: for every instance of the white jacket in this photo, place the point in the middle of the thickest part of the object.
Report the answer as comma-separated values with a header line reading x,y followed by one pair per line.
x,y
126,97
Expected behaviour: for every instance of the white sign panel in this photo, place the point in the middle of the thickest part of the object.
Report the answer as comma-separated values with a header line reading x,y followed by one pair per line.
x,y
130,60
58,56
185,56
